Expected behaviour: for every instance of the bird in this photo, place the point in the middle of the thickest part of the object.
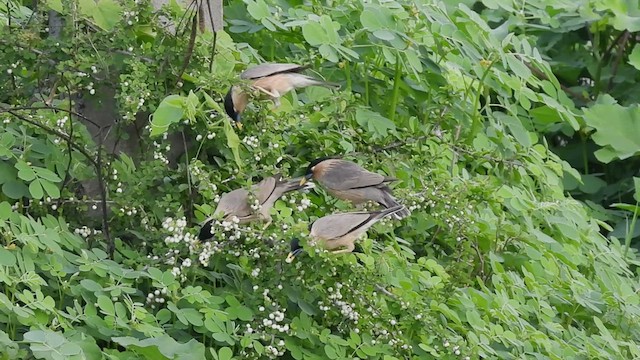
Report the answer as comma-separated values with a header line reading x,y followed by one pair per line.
x,y
347,180
236,203
272,79
338,232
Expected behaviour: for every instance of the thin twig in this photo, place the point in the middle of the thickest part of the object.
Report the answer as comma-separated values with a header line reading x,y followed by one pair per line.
x,y
621,45
56,133
103,195
189,211
71,112
190,47
67,174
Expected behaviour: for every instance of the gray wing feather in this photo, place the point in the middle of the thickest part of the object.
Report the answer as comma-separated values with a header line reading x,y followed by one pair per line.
x,y
234,203
264,189
337,225
346,175
263,70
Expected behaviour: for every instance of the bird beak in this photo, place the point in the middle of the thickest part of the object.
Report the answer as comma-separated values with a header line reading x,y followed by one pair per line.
x,y
305,179
292,255
238,123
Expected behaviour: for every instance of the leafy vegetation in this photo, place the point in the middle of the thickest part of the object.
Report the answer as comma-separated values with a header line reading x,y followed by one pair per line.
x,y
511,126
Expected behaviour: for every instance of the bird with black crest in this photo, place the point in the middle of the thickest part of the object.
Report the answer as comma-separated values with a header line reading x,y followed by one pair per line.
x,y
273,80
338,232
347,180
237,204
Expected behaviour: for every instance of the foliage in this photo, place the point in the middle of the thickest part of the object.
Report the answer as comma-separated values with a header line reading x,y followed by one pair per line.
x,y
456,100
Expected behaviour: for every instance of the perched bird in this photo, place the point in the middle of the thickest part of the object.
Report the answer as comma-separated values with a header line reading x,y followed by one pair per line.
x,y
236,203
338,232
349,181
274,80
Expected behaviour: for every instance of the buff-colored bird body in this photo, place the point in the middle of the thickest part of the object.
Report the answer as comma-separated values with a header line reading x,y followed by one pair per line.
x,y
237,203
349,181
273,80
338,232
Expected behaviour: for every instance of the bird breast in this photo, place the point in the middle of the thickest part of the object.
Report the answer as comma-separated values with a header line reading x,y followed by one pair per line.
x,y
282,83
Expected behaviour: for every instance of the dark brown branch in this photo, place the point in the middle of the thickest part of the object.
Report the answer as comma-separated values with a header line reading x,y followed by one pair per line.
x,y
103,197
192,42
542,76
56,133
622,43
67,175
68,111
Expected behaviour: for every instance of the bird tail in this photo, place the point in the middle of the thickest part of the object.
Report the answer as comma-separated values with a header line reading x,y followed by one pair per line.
x,y
394,210
304,81
389,202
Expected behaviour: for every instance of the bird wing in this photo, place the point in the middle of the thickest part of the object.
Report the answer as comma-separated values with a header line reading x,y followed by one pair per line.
x,y
234,203
270,69
265,188
344,175
337,225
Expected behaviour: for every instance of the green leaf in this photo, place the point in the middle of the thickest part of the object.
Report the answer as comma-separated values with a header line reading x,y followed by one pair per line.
x,y
107,14
25,172
46,344
36,190
56,5
7,258
636,195
233,142
46,174
106,305
163,347
15,189
86,7
376,17
517,66
5,210
515,127
324,32
314,34
225,353
6,143
50,188
170,111
634,57
617,130
258,9
374,122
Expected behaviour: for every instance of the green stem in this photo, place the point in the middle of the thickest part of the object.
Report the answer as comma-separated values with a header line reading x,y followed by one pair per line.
x,y
347,70
627,239
396,89
366,82
585,155
475,125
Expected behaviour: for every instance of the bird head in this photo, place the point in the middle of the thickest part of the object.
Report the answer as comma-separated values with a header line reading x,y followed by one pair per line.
x,y
296,249
308,175
230,107
206,231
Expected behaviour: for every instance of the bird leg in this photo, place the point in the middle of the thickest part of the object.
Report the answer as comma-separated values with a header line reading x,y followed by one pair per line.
x,y
273,94
265,226
348,248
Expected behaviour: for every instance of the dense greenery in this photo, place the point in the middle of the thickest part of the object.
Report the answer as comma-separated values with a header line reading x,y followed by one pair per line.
x,y
512,127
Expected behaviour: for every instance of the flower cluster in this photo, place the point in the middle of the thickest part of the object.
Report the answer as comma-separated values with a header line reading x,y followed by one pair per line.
x,y
158,154
177,229
156,297
85,232
346,309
